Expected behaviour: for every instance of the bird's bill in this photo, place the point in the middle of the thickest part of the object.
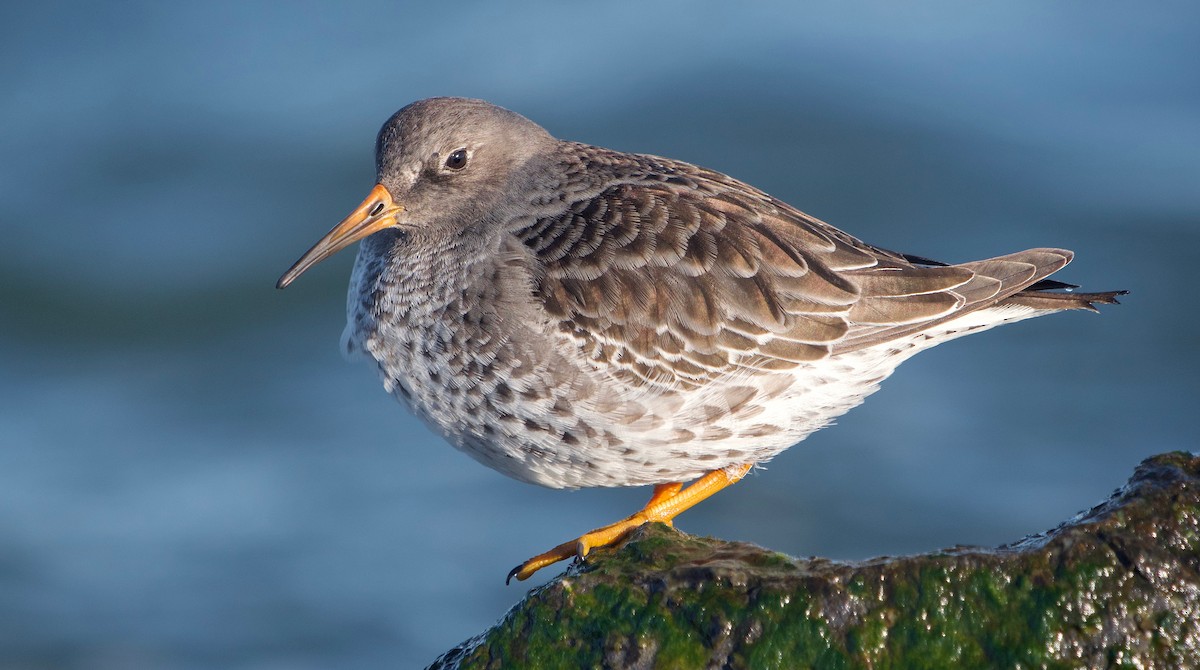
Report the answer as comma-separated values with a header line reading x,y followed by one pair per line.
x,y
375,213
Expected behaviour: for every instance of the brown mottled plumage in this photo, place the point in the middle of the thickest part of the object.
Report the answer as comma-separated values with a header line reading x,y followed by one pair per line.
x,y
575,316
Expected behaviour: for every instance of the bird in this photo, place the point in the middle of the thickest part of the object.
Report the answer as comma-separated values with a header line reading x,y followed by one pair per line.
x,y
574,316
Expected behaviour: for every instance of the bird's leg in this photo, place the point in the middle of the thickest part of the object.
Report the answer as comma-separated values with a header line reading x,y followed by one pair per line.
x,y
661,493
571,548
667,502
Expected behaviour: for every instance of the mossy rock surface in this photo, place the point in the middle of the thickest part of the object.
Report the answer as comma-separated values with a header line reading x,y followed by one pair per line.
x,y
1116,586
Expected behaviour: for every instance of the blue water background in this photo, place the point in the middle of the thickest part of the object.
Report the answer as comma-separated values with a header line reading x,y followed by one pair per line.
x,y
192,477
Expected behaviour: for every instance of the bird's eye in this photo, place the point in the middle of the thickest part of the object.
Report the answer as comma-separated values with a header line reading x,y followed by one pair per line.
x,y
457,159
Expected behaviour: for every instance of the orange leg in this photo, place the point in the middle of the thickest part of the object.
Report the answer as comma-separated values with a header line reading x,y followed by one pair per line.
x,y
667,502
661,493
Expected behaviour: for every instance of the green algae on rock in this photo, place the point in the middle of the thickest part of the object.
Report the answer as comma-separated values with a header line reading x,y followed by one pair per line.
x,y
1116,586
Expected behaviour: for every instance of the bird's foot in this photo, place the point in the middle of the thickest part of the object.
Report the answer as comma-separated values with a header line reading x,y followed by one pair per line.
x,y
667,502
580,547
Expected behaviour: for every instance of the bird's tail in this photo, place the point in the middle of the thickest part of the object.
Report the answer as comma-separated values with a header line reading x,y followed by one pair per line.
x,y
1023,282
1047,298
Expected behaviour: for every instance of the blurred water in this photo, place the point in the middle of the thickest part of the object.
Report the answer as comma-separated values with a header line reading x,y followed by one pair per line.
x,y
191,477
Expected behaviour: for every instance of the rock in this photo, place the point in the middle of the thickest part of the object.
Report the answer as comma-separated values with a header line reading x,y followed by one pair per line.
x,y
1116,586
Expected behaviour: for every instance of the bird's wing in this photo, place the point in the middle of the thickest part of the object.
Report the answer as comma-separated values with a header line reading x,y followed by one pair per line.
x,y
675,276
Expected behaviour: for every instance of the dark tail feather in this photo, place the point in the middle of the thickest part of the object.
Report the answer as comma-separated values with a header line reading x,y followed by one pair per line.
x,y
1040,299
1050,285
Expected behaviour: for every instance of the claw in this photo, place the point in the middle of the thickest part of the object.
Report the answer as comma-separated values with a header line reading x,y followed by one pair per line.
x,y
560,553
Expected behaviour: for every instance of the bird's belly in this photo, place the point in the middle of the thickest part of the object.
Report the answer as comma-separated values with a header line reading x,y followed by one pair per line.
x,y
542,415
550,421
747,418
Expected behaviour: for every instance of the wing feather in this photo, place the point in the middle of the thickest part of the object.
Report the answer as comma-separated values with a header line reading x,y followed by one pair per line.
x,y
678,276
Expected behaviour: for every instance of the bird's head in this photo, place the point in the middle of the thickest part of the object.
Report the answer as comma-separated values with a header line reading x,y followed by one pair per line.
x,y
442,166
